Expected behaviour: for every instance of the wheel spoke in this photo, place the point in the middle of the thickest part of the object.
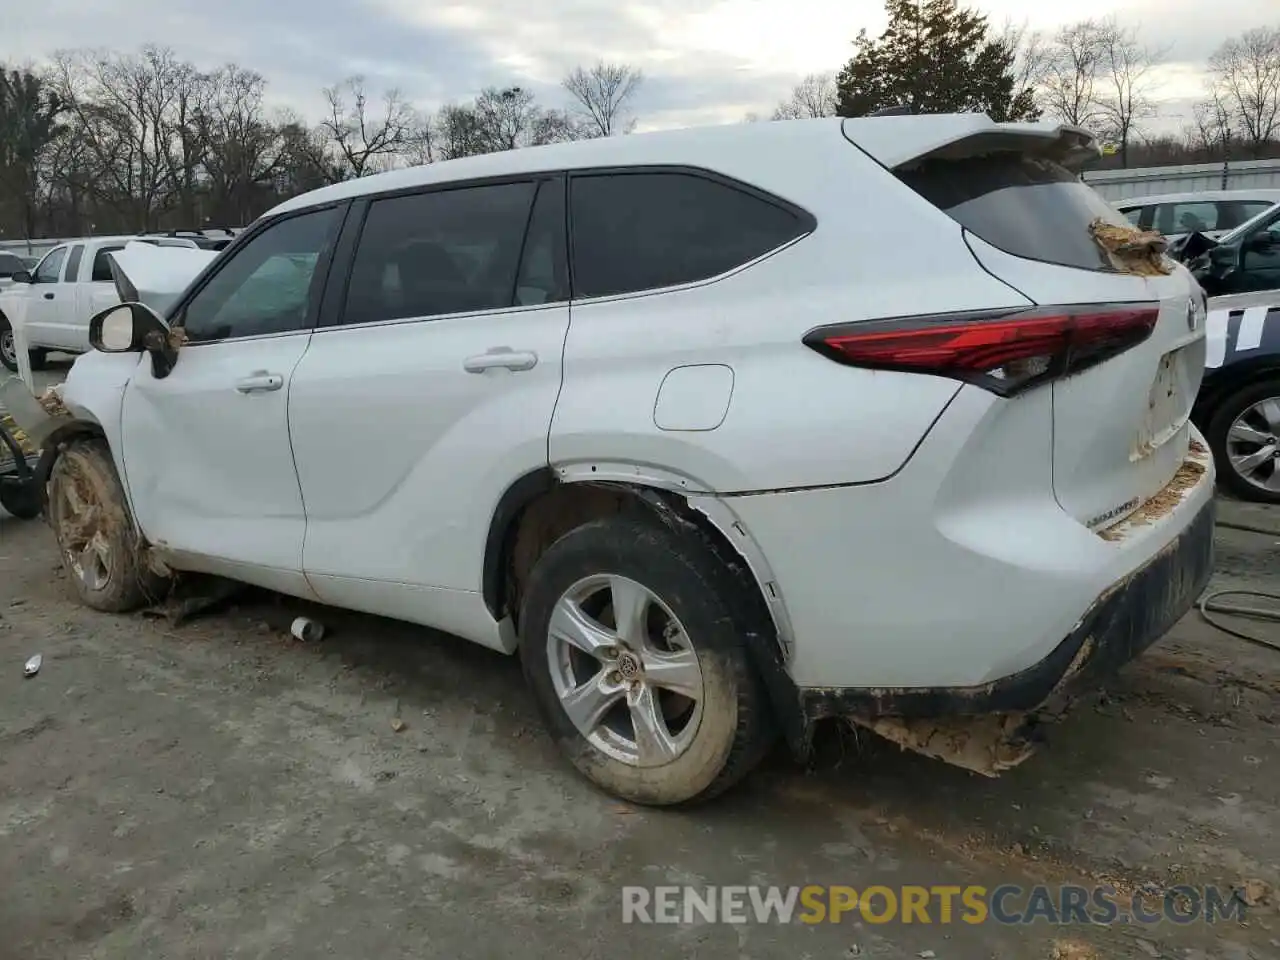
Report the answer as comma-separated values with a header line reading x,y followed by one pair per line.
x,y
654,741
630,604
570,625
1250,462
677,671
587,704
1241,432
1270,409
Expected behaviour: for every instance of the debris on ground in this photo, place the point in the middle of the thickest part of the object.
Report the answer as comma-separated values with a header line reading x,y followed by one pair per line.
x,y
1072,950
51,401
33,666
206,594
398,725
1147,947
307,630
1254,893
987,744
1130,250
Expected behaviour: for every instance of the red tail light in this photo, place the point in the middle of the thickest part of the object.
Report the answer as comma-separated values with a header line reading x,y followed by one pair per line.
x,y
1004,352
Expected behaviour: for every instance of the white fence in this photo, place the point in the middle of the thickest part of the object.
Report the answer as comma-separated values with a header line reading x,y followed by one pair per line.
x,y
1191,178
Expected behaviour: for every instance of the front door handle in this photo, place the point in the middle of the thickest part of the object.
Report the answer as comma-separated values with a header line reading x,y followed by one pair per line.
x,y
503,357
260,382
48,296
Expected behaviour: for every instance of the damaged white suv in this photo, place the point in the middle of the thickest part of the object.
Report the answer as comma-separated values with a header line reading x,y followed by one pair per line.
x,y
724,431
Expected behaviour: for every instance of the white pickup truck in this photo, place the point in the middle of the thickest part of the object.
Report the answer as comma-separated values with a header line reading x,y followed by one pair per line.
x,y
55,301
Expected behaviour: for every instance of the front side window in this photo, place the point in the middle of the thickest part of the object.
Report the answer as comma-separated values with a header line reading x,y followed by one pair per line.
x,y
442,252
51,266
636,231
267,287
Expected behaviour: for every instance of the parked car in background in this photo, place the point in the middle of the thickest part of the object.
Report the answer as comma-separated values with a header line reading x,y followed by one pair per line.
x,y
673,417
68,286
1239,403
10,263
1211,213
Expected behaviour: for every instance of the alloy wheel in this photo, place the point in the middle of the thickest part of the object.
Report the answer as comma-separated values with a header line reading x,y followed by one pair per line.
x,y
625,670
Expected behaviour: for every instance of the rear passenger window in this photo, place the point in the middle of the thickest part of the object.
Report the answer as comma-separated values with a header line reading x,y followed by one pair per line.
x,y
102,264
642,231
448,251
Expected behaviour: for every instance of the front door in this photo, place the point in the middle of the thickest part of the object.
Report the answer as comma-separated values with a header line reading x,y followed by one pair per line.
x,y
206,449
430,393
41,318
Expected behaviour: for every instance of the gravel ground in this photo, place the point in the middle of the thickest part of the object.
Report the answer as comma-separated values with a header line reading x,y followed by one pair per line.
x,y
220,790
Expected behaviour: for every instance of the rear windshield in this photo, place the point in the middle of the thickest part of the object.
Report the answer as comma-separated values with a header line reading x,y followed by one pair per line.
x,y
1027,206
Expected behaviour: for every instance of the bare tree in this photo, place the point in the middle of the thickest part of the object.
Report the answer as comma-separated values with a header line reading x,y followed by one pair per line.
x,y
601,95
127,109
814,96
1124,84
1212,130
366,138
1069,90
1246,73
1032,51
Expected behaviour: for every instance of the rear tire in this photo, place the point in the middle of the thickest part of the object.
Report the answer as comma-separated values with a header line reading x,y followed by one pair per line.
x,y
669,708
96,536
1239,428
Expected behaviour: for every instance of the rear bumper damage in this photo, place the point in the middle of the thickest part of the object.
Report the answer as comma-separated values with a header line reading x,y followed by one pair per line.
x,y
995,726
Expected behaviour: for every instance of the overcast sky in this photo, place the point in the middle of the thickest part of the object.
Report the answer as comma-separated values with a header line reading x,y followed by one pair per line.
x,y
705,61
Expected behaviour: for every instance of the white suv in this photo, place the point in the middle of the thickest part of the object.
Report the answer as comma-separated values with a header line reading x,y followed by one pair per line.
x,y
725,431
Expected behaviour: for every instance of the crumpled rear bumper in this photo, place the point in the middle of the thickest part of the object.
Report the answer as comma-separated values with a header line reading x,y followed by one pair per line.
x,y
994,726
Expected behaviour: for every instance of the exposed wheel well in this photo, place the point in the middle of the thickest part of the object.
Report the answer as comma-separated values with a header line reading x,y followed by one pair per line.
x,y
54,444
538,510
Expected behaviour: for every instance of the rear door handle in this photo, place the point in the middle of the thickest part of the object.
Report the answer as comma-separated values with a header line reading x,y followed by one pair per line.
x,y
501,357
260,382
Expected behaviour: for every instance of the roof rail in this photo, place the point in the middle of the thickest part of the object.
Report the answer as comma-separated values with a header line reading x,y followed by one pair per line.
x,y
901,110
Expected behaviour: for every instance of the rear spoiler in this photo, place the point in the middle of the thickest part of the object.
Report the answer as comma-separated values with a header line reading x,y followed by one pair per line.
x,y
898,142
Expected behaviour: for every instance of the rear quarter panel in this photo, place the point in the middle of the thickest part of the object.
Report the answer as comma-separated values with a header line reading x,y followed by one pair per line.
x,y
795,418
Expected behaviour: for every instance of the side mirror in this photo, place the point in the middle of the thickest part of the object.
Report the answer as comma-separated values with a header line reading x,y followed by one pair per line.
x,y
21,276
134,328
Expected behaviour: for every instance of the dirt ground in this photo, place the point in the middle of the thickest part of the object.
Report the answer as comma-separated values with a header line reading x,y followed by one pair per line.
x,y
218,789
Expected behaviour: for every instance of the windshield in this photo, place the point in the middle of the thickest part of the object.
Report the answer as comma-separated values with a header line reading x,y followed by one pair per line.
x,y
1248,226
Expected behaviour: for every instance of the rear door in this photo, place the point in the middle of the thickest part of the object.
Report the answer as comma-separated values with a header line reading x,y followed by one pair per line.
x,y
428,389
1120,427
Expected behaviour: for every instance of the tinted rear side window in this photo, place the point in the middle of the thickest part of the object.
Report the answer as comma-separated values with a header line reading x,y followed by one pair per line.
x,y
448,251
1026,206
642,231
